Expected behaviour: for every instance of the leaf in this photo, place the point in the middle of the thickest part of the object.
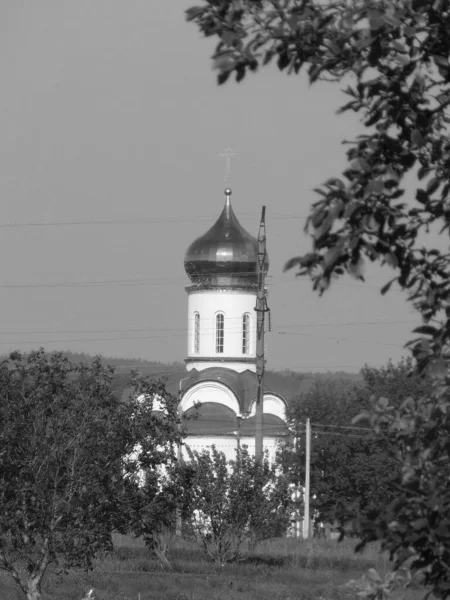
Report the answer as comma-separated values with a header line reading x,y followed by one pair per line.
x,y
335,182
418,524
443,98
403,59
438,368
422,172
383,402
283,60
194,12
356,269
441,61
426,330
361,418
387,286
433,185
399,46
376,20
374,576
422,196
291,263
229,37
222,77
376,186
417,138
332,256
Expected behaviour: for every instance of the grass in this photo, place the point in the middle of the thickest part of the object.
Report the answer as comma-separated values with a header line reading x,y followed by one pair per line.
x,y
281,569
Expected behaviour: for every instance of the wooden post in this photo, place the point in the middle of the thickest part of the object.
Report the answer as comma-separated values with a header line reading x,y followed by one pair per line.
x,y
306,518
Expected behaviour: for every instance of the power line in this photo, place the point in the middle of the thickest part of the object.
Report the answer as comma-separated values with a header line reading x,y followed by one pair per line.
x,y
183,330
168,281
174,335
342,339
342,427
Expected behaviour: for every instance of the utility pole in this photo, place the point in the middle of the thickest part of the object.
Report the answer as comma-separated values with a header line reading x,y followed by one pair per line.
x,y
306,519
261,309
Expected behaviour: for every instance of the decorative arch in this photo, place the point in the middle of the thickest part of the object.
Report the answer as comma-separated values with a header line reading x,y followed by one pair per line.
x,y
210,417
209,392
273,404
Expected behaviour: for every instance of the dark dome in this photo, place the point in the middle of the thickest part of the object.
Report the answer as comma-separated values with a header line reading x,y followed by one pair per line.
x,y
226,255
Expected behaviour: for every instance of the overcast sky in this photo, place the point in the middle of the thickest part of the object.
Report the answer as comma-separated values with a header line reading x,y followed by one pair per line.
x,y
110,111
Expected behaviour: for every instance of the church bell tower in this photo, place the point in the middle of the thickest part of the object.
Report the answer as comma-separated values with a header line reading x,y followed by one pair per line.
x,y
222,266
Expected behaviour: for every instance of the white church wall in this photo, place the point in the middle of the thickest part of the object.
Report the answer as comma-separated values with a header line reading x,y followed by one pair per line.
x,y
239,367
233,304
228,445
270,444
225,444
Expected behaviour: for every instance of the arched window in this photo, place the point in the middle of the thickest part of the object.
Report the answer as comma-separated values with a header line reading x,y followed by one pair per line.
x,y
246,334
219,333
196,333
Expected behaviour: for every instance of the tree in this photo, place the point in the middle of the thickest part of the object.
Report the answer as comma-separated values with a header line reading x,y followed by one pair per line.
x,y
350,466
393,59
232,506
71,457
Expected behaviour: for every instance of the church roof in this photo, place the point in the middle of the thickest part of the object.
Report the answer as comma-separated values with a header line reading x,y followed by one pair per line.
x,y
225,256
243,385
285,385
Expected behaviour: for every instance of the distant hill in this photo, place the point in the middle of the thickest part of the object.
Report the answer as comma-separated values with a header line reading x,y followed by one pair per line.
x,y
289,384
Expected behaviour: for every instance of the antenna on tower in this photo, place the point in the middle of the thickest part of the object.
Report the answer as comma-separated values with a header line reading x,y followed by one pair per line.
x,y
261,309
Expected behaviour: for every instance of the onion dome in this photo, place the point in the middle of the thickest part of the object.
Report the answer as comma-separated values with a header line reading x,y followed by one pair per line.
x,y
225,256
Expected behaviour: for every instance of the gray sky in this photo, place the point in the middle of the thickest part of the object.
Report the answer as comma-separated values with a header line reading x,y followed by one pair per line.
x,y
110,111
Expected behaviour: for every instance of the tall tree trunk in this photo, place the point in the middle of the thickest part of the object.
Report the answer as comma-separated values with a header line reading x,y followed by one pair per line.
x,y
34,587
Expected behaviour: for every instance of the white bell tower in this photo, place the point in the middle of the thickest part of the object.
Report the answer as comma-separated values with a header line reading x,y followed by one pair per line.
x,y
222,267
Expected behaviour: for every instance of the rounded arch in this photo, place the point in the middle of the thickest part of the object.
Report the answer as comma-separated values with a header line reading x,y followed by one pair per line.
x,y
209,392
273,404
210,419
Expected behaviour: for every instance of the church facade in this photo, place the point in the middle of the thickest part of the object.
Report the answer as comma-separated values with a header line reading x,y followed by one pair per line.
x,y
218,394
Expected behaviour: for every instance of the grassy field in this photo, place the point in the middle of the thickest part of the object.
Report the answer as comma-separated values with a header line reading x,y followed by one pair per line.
x,y
282,569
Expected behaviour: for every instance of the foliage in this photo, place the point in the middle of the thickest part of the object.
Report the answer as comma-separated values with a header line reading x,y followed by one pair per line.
x,y
233,505
349,465
71,458
393,59
375,587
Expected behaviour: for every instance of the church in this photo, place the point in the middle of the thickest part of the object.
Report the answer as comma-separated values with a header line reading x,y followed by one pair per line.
x,y
218,394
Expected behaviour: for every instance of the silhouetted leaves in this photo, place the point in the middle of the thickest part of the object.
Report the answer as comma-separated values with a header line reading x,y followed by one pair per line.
x,y
398,54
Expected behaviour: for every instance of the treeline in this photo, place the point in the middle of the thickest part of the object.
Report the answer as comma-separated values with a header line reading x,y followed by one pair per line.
x,y
355,469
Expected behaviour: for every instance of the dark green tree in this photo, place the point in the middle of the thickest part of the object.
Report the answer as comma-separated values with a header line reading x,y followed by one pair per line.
x,y
233,505
71,461
351,466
